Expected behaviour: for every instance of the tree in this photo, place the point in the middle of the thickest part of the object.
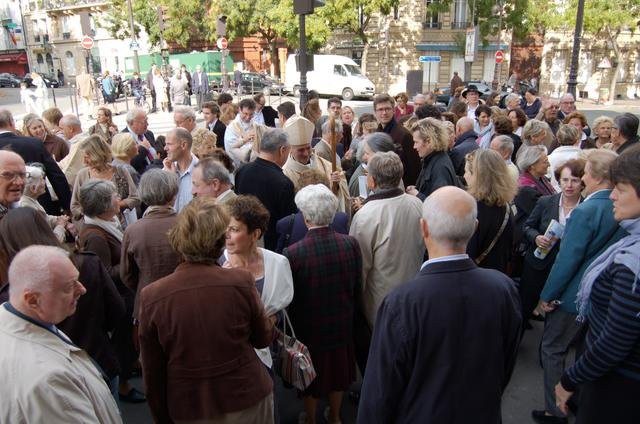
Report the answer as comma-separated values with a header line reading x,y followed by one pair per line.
x,y
355,17
606,20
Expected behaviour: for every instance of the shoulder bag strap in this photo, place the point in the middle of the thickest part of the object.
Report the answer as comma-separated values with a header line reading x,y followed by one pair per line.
x,y
484,254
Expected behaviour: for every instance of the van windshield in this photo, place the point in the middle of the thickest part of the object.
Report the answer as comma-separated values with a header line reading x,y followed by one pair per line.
x,y
353,69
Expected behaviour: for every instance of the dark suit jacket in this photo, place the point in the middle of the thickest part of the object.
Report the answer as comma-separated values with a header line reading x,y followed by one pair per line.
x,y
96,240
33,150
198,328
453,321
270,116
99,311
219,129
404,147
267,182
198,85
437,171
466,143
140,162
633,141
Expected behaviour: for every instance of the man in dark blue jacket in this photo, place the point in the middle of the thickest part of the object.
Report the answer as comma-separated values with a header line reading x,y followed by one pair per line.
x,y
444,345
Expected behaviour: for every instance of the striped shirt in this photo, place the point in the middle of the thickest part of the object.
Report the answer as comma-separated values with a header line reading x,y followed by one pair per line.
x,y
613,340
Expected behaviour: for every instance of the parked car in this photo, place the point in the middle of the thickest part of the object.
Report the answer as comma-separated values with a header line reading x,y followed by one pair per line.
x,y
49,80
9,80
254,83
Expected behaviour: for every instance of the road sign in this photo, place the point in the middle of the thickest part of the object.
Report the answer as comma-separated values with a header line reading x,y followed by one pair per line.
x,y
424,59
134,45
222,43
87,42
499,56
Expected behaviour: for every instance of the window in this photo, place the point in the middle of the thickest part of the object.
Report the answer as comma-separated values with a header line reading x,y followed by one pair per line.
x,y
49,60
431,18
459,14
353,70
339,70
65,27
40,59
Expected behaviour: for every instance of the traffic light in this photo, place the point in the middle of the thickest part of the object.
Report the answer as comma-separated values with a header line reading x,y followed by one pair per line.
x,y
305,7
163,17
221,26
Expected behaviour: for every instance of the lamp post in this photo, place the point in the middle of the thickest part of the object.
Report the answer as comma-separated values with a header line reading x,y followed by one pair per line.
x,y
136,62
575,55
497,10
303,8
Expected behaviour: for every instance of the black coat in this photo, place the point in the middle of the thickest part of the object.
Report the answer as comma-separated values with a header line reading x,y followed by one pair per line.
x,y
466,143
33,150
266,181
443,348
633,141
437,171
270,115
98,312
546,209
404,148
219,128
490,219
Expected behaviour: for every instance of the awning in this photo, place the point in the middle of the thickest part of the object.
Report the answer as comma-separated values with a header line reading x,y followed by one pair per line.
x,y
20,58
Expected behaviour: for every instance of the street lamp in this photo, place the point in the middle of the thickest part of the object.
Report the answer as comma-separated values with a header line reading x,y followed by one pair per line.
x,y
497,10
302,8
575,55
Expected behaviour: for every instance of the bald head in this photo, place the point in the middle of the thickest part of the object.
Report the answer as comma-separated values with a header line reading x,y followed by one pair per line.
x,y
43,283
450,216
7,156
463,125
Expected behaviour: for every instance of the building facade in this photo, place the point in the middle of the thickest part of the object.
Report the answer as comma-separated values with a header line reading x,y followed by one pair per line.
x,y
391,60
54,32
13,55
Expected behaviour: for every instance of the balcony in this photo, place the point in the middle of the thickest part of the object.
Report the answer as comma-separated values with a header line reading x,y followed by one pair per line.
x,y
432,25
460,25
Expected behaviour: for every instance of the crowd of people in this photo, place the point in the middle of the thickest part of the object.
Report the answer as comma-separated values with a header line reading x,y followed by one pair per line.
x,y
413,244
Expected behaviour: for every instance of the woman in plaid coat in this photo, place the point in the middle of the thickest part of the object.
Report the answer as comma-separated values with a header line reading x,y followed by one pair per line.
x,y
327,269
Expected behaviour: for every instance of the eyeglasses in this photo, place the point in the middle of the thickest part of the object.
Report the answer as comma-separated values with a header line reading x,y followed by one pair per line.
x,y
12,176
568,103
384,109
554,107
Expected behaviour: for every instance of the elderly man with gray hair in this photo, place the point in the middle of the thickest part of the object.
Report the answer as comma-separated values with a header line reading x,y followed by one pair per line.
x,y
146,254
465,319
73,162
503,144
264,179
323,147
386,228
184,117
211,179
373,143
51,379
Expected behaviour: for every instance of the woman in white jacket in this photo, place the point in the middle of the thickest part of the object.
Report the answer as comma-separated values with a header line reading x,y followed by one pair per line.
x,y
272,273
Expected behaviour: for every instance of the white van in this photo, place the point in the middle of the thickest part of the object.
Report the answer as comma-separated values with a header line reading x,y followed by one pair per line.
x,y
332,75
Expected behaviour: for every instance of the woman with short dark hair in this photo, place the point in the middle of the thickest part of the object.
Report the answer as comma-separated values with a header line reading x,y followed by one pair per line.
x,y
198,330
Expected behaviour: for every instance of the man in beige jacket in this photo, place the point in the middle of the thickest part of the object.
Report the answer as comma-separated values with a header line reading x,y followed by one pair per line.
x,y
47,379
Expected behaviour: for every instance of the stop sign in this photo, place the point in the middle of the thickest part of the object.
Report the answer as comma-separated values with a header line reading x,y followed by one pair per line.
x,y
222,43
499,56
87,42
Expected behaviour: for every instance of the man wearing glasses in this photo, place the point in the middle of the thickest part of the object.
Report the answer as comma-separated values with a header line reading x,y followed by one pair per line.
x,y
567,105
12,178
383,109
33,150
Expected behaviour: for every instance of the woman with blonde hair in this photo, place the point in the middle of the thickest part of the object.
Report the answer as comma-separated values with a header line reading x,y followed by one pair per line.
x,y
229,112
123,149
104,127
97,159
204,142
536,133
431,141
491,184
34,126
